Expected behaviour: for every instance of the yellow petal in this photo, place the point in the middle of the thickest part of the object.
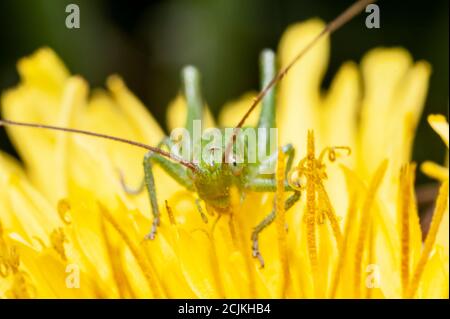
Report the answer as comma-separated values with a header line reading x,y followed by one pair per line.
x,y
434,170
393,101
394,97
340,107
44,71
41,152
299,92
139,117
440,125
232,112
435,277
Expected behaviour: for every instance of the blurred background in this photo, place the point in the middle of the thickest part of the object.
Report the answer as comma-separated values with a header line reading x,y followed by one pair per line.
x,y
147,42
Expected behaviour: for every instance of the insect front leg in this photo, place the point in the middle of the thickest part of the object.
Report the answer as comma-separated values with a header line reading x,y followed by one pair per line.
x,y
290,201
261,184
175,170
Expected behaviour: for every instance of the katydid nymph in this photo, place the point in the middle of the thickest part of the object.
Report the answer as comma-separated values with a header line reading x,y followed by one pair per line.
x,y
212,180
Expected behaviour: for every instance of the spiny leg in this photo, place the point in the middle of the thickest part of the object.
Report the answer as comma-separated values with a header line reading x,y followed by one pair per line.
x,y
266,222
175,170
261,184
255,242
150,183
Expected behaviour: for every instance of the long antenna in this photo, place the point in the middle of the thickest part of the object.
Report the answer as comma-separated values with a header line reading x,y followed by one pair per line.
x,y
332,26
183,162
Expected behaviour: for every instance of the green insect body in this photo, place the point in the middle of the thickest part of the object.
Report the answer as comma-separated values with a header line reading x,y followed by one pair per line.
x,y
211,180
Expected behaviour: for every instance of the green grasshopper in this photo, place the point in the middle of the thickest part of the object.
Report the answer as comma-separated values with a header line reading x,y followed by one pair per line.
x,y
211,180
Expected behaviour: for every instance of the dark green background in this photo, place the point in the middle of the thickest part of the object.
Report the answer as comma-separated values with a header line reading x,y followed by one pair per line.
x,y
147,42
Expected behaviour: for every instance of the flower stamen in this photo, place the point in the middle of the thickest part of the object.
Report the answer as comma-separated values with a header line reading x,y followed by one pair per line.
x,y
312,169
310,205
170,213
405,201
331,151
58,239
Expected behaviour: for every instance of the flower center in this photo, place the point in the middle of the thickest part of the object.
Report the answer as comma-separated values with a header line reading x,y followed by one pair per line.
x,y
308,176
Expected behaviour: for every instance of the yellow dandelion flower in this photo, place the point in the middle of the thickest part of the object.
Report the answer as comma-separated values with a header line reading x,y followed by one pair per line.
x,y
68,230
